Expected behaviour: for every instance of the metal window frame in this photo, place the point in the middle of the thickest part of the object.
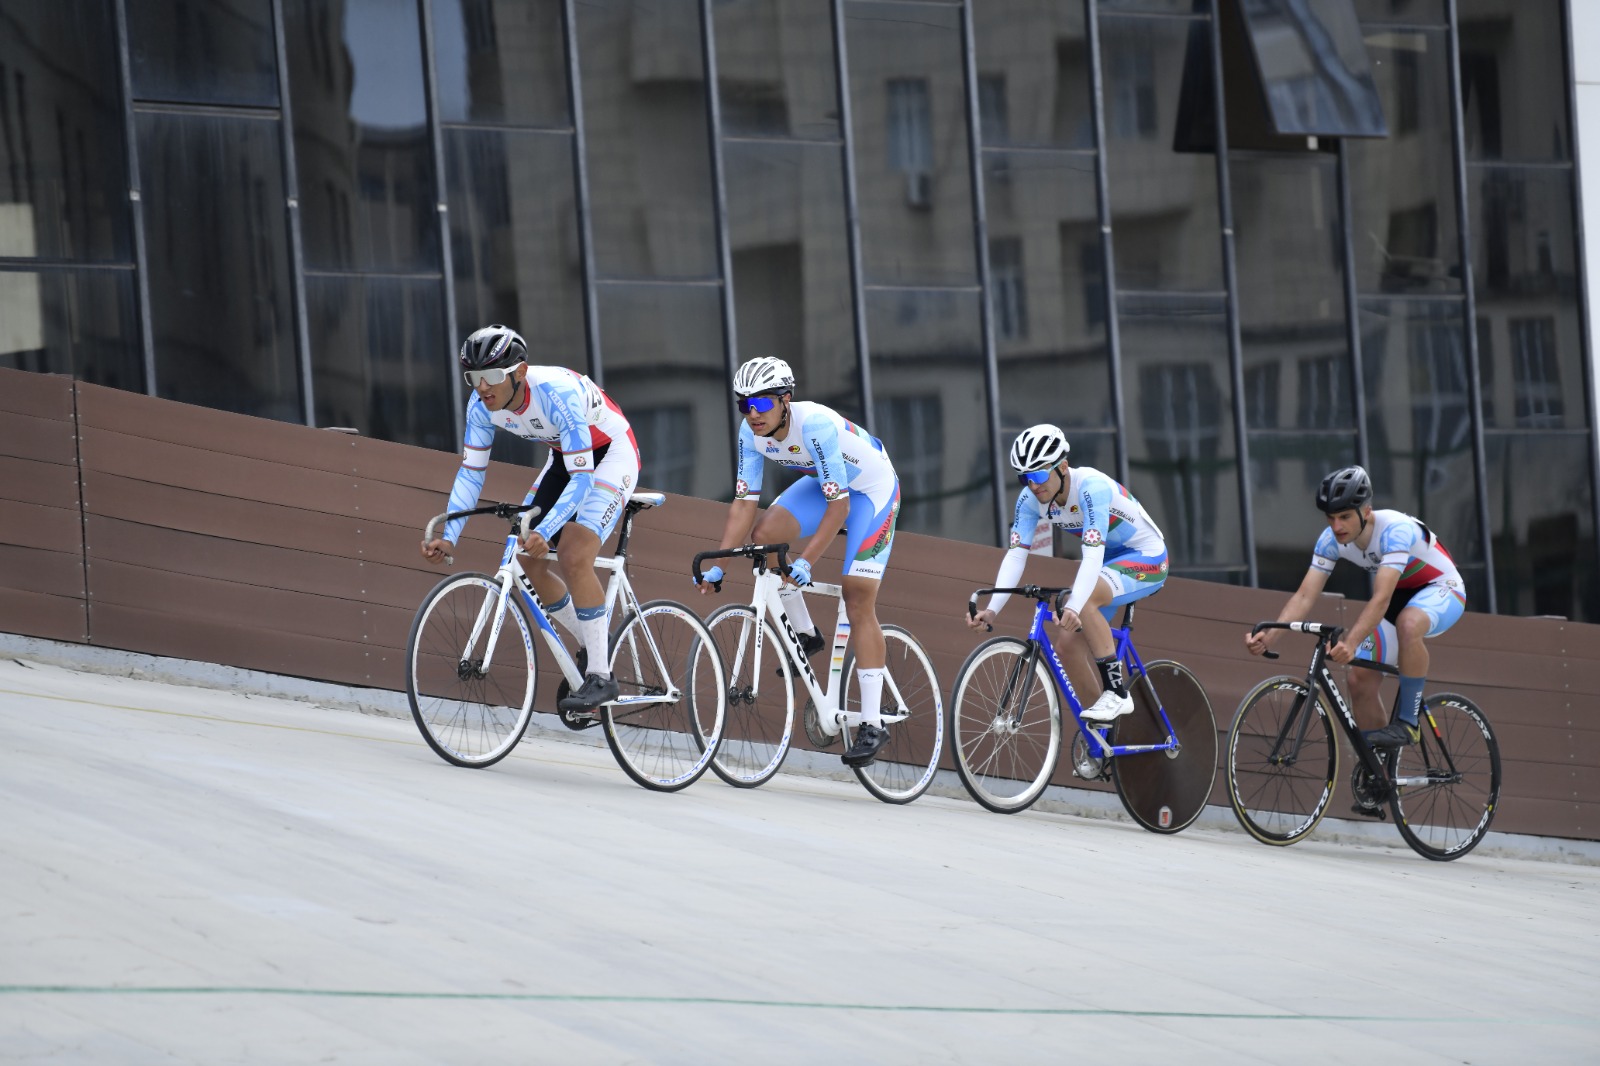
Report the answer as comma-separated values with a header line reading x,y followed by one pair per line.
x,y
1580,239
719,215
141,259
852,214
1097,89
430,85
291,197
580,183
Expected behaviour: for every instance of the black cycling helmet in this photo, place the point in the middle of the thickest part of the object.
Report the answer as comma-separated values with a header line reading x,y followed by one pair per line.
x,y
1346,489
493,346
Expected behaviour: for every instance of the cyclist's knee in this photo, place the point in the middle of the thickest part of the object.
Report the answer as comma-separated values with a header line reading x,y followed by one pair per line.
x,y
1413,624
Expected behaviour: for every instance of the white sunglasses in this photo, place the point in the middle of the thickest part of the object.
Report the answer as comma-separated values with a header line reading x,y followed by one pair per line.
x,y
490,377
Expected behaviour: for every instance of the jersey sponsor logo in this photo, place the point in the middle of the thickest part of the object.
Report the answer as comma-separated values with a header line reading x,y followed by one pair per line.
x,y
1073,510
831,490
741,487
1092,538
535,423
795,448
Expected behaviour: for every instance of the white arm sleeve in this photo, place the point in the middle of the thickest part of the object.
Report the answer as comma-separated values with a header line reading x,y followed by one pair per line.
x,y
1011,568
1088,573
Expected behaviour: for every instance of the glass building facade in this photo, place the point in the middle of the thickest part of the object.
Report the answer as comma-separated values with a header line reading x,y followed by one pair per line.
x,y
953,219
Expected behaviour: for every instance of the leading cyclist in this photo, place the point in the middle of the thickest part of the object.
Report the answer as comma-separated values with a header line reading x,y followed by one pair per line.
x,y
852,485
1124,553
1416,593
581,496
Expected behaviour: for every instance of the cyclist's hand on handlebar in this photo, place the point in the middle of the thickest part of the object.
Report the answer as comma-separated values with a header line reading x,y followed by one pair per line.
x,y
436,549
983,619
1068,620
1257,643
708,580
535,544
799,573
1341,652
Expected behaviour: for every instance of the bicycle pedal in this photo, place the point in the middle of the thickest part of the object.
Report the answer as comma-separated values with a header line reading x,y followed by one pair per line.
x,y
578,721
1375,813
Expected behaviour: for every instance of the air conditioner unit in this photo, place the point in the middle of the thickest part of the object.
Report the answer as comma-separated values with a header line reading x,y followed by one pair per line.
x,y
919,189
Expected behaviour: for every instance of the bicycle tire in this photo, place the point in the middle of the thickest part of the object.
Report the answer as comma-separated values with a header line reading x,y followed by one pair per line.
x,y
1279,804
1005,760
665,745
910,760
469,720
1165,791
1444,819
760,715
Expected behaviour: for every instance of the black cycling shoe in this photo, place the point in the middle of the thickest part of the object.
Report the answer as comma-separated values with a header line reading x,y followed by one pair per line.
x,y
1375,813
870,740
576,720
595,691
813,642
1396,734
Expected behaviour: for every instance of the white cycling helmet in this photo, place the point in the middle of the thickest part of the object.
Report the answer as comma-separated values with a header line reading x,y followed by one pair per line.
x,y
764,374
1038,448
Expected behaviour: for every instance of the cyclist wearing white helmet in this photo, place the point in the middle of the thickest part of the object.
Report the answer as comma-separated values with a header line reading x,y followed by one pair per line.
x,y
852,485
1124,553
580,496
1416,593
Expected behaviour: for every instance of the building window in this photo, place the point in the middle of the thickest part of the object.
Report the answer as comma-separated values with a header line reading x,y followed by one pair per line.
x,y
913,437
666,435
1181,407
1441,423
994,118
910,126
1536,373
1009,291
1092,268
1133,89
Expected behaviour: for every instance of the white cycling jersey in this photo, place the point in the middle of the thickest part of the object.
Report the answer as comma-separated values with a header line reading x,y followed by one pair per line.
x,y
1399,542
821,442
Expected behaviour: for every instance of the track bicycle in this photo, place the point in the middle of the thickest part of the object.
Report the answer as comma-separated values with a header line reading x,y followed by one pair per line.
x,y
471,670
761,696
1283,760
1005,725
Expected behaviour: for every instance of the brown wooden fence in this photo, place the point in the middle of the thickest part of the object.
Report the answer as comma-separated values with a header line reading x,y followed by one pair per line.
x,y
146,525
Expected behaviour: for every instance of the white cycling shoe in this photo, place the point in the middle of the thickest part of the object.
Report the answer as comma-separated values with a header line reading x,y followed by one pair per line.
x,y
1108,707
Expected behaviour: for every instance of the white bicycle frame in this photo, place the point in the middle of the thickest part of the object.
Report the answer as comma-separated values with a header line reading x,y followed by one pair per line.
x,y
830,717
511,575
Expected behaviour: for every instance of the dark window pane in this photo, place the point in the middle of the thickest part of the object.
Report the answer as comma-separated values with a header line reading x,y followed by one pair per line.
x,y
79,322
928,395
366,172
1033,56
203,51
63,164
1418,12
516,258
1180,426
380,359
662,351
1419,417
909,108
218,256
1285,471
1525,267
644,110
1403,187
1313,66
775,69
1047,289
1513,80
791,264
1164,202
1541,515
501,62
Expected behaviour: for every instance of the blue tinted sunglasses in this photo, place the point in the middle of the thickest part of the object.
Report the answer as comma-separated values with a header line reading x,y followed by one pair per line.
x,y
1034,477
759,404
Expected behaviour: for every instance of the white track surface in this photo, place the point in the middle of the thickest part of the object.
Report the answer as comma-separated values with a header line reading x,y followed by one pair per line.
x,y
195,875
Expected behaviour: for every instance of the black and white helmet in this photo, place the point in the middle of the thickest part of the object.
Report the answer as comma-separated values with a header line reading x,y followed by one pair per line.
x,y
764,374
493,346
1346,489
1038,448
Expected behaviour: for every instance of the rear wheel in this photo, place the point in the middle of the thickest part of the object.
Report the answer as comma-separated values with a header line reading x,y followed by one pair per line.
x,y
1005,725
1282,761
1165,791
760,719
666,722
913,712
470,714
1449,781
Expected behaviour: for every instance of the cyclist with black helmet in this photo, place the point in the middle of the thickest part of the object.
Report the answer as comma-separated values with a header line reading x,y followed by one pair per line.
x,y
852,486
1124,553
1416,593
592,466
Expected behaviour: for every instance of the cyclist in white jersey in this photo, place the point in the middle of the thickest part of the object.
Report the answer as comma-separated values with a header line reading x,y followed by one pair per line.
x,y
1124,553
1416,593
592,466
852,485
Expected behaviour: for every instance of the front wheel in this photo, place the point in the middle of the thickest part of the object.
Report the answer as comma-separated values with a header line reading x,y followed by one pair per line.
x,y
1165,791
666,722
760,697
1283,760
1005,724
1448,783
470,687
913,712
